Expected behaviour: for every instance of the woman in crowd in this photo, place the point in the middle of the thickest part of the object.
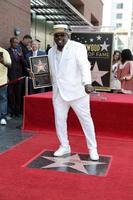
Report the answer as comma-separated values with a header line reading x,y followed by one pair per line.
x,y
125,72
115,83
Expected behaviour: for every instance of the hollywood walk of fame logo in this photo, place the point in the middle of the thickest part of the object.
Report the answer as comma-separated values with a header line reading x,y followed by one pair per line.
x,y
99,50
74,163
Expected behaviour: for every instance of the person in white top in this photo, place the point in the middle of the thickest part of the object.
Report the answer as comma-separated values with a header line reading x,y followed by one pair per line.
x,y
71,81
115,83
5,62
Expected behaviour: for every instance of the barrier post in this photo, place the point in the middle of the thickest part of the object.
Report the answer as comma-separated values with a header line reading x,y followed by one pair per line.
x,y
26,85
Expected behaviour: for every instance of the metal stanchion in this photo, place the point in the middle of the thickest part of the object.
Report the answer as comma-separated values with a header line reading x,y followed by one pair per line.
x,y
26,85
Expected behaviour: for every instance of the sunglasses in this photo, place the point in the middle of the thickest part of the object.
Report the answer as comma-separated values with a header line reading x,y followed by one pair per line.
x,y
56,35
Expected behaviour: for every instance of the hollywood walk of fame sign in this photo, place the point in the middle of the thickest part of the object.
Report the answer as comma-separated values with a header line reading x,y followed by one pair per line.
x,y
99,49
72,163
40,68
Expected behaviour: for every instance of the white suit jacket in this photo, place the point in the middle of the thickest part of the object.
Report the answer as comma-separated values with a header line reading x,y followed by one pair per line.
x,y
73,71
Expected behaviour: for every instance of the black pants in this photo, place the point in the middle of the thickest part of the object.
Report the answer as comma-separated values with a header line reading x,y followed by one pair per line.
x,y
15,98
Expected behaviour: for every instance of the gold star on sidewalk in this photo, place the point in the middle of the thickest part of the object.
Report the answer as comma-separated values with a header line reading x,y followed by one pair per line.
x,y
73,162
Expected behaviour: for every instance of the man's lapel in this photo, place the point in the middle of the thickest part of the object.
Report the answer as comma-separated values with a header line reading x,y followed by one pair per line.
x,y
54,59
62,64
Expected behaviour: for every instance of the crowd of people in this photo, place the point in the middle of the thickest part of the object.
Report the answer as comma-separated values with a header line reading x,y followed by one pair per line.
x,y
122,72
14,67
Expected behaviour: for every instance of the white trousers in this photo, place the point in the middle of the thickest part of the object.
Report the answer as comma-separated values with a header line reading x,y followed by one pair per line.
x,y
82,109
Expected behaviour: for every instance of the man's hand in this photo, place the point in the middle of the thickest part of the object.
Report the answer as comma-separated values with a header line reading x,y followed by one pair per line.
x,y
20,53
31,74
89,88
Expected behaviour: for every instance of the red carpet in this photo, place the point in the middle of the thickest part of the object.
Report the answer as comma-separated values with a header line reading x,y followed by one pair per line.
x,y
112,113
21,183
113,118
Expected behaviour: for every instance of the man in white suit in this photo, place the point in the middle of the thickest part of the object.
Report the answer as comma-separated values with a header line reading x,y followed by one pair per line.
x,y
71,80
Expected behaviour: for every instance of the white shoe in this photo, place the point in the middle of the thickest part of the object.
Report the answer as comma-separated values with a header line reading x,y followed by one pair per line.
x,y
3,122
62,151
94,154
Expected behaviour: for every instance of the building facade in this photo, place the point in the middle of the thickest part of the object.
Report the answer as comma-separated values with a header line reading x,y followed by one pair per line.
x,y
92,10
17,15
120,22
14,15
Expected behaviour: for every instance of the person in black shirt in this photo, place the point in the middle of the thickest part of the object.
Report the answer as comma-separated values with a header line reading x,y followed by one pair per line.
x,y
25,44
15,72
